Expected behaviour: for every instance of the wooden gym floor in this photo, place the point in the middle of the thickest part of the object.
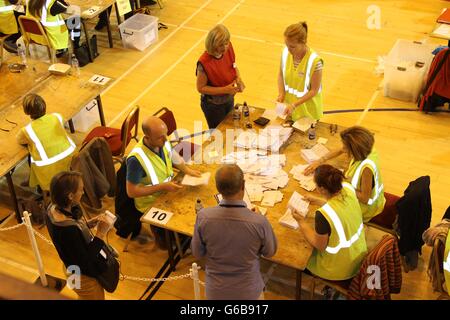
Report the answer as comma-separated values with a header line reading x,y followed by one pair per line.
x,y
410,144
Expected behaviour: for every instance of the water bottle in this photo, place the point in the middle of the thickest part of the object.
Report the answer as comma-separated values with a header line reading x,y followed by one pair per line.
x,y
236,117
22,54
246,116
75,66
312,132
198,206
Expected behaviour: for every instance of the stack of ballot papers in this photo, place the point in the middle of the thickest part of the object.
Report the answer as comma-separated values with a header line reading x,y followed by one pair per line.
x,y
271,197
298,204
270,138
303,124
196,181
244,156
280,108
288,220
315,153
246,199
306,182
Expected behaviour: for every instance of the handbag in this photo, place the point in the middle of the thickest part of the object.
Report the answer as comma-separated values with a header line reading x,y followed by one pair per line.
x,y
110,277
82,52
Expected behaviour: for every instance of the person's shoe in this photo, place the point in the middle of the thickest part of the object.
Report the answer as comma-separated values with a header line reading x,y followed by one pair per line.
x,y
142,239
61,52
10,46
100,24
148,3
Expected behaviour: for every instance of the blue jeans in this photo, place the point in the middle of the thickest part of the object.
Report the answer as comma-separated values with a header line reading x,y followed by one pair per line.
x,y
215,113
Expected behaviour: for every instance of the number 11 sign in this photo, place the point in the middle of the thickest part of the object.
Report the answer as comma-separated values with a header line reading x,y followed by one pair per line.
x,y
157,215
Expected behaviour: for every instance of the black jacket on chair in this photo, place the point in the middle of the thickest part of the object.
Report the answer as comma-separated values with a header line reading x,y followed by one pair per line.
x,y
128,217
414,215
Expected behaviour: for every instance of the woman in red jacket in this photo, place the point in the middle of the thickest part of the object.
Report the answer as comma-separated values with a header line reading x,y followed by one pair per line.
x,y
218,78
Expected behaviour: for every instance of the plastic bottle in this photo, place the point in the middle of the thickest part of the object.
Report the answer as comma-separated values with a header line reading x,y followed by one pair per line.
x,y
312,132
246,116
22,54
236,117
75,66
198,206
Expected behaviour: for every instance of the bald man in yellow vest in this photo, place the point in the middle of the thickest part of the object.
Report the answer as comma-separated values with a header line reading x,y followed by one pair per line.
x,y
150,165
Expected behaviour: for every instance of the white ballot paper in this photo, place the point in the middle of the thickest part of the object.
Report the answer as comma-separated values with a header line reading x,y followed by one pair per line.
x,y
303,124
315,153
280,109
288,220
298,204
196,181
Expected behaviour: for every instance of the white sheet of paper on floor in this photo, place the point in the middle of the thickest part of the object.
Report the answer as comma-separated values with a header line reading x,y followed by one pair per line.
x,y
196,181
288,220
98,79
303,124
298,204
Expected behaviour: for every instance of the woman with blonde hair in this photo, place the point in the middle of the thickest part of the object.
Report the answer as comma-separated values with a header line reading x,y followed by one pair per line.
x,y
300,75
218,78
363,171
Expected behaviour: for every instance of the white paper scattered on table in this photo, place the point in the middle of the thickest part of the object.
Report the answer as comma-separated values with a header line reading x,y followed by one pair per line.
x,y
315,153
306,182
322,140
280,108
270,114
196,181
271,197
288,220
298,204
303,124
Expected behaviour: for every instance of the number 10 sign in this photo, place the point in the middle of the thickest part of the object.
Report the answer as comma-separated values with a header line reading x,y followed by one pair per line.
x,y
157,215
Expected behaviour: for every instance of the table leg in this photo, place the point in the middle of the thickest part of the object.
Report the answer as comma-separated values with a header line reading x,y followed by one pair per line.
x,y
71,127
117,13
170,249
100,110
88,44
12,191
298,285
108,27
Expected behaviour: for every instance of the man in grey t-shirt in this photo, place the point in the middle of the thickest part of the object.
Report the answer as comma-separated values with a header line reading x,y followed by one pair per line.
x,y
232,238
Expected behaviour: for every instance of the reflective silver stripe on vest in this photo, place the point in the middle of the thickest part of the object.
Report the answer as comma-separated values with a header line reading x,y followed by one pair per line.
x,y
343,242
355,179
45,160
59,22
7,9
293,91
149,166
447,263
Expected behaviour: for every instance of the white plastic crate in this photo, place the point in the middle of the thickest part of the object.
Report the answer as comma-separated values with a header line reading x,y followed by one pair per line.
x,y
403,76
84,120
139,31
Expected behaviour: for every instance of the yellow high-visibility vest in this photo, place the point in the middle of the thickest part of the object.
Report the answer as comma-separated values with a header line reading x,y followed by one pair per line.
x,y
156,171
8,24
346,247
446,264
50,147
54,26
377,200
297,82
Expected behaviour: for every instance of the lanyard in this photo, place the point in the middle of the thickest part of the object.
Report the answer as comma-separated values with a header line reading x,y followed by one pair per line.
x,y
232,205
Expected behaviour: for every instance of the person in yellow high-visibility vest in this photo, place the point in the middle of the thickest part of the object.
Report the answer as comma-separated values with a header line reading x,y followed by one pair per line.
x,y
338,237
363,171
51,149
48,12
300,75
446,263
150,168
8,23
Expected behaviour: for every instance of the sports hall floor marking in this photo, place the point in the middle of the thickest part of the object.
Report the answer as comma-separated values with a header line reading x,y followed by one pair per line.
x,y
279,44
369,105
173,66
156,47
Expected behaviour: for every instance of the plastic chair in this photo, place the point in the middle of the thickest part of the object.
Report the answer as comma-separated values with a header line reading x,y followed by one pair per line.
x,y
118,139
30,25
180,146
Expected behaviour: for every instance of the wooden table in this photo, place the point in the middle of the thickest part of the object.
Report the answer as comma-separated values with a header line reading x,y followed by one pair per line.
x,y
293,250
66,95
104,5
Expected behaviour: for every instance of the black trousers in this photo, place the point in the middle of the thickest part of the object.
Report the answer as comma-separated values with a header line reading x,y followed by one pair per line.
x,y
215,113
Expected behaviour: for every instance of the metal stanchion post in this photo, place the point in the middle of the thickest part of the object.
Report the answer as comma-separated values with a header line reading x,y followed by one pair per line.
x,y
194,273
